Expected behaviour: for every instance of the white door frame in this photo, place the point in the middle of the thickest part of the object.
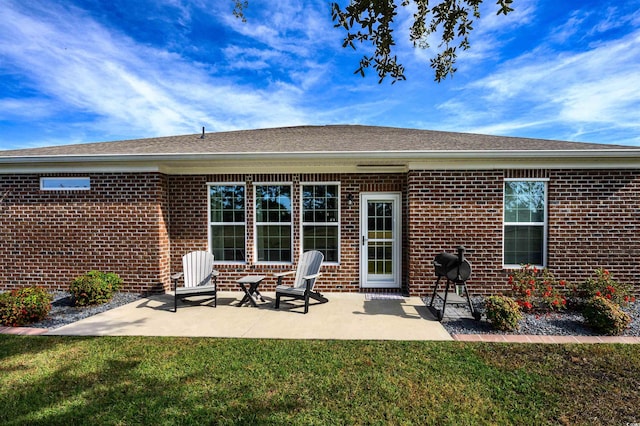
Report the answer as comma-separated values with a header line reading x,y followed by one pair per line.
x,y
394,279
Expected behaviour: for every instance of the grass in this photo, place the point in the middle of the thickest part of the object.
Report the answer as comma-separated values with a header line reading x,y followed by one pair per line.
x,y
142,380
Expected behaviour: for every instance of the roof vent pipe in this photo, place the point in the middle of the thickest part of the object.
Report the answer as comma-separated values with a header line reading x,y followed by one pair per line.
x,y
202,137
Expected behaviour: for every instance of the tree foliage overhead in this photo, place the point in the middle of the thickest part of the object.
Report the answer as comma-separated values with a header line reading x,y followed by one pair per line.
x,y
371,22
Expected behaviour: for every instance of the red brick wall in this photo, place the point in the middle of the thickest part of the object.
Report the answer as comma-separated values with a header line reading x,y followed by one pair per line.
x,y
188,207
594,221
50,237
452,208
139,226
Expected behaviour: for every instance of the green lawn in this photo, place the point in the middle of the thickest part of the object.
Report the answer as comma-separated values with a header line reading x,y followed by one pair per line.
x,y
142,380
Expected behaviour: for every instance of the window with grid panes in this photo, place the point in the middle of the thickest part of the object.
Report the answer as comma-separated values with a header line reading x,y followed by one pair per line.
x,y
320,219
273,223
227,222
525,222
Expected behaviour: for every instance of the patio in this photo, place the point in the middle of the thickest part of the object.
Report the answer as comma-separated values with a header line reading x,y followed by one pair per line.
x,y
346,316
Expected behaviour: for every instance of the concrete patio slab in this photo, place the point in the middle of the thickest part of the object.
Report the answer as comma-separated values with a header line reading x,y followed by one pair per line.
x,y
345,316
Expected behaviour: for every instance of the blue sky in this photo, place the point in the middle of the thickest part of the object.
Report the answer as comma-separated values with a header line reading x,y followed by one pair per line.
x,y
91,70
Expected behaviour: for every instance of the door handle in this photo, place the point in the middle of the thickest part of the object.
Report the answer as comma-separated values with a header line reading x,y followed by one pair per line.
x,y
364,239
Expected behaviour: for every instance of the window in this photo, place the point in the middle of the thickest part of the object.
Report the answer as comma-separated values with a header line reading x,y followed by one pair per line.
x,y
320,220
273,223
525,222
65,183
227,228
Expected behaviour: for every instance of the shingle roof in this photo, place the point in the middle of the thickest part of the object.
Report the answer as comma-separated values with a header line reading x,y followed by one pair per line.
x,y
310,139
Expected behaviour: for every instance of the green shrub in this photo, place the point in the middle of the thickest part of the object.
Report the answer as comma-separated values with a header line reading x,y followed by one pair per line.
x,y
24,306
604,285
94,288
605,316
503,312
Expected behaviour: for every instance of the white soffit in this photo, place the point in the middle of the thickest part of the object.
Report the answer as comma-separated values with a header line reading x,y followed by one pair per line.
x,y
324,162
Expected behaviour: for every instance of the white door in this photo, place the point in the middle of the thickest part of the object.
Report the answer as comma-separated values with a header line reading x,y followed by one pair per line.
x,y
380,240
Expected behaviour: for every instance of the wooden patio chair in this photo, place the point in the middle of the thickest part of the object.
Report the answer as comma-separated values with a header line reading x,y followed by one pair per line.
x,y
200,279
306,274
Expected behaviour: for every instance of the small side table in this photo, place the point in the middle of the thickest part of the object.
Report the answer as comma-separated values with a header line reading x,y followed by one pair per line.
x,y
252,291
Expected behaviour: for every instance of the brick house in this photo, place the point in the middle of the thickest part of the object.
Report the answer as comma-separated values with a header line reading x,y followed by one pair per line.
x,y
379,202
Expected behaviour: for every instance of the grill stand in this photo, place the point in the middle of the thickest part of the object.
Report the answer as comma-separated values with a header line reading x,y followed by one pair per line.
x,y
457,270
456,300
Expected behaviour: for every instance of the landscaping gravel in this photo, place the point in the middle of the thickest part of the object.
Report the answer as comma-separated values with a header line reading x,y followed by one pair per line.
x,y
63,312
567,323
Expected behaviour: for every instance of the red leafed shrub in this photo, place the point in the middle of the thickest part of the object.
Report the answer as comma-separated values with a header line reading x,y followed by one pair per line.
x,y
537,289
24,306
604,285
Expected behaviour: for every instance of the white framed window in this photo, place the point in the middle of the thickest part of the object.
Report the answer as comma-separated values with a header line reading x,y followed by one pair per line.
x,y
320,219
525,222
227,222
65,183
273,222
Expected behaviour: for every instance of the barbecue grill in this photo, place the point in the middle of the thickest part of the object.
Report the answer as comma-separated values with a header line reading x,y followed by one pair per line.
x,y
457,270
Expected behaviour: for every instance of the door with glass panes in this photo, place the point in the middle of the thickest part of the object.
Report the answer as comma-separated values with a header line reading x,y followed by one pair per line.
x,y
380,240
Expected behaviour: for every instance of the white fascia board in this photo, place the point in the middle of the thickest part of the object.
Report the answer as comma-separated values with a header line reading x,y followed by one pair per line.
x,y
345,161
525,163
77,168
332,154
406,154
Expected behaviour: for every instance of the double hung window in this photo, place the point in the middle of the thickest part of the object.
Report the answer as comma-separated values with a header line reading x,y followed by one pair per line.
x,y
525,222
227,229
273,218
321,219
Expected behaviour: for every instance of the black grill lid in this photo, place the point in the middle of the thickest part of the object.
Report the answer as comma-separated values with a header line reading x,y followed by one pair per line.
x,y
454,267
445,262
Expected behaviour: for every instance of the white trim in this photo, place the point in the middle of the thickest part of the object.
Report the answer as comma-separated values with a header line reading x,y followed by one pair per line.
x,y
544,224
255,223
395,154
338,224
44,179
210,223
325,162
396,198
347,161
79,168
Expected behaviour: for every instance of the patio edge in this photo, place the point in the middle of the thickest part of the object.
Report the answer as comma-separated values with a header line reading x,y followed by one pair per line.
x,y
23,331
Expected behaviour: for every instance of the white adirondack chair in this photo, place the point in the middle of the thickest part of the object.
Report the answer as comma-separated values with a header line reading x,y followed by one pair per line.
x,y
200,279
306,274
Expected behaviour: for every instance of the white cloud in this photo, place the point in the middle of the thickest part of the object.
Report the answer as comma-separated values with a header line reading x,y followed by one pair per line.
x,y
615,17
32,108
298,28
567,30
490,22
490,33
249,58
83,76
590,90
136,89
